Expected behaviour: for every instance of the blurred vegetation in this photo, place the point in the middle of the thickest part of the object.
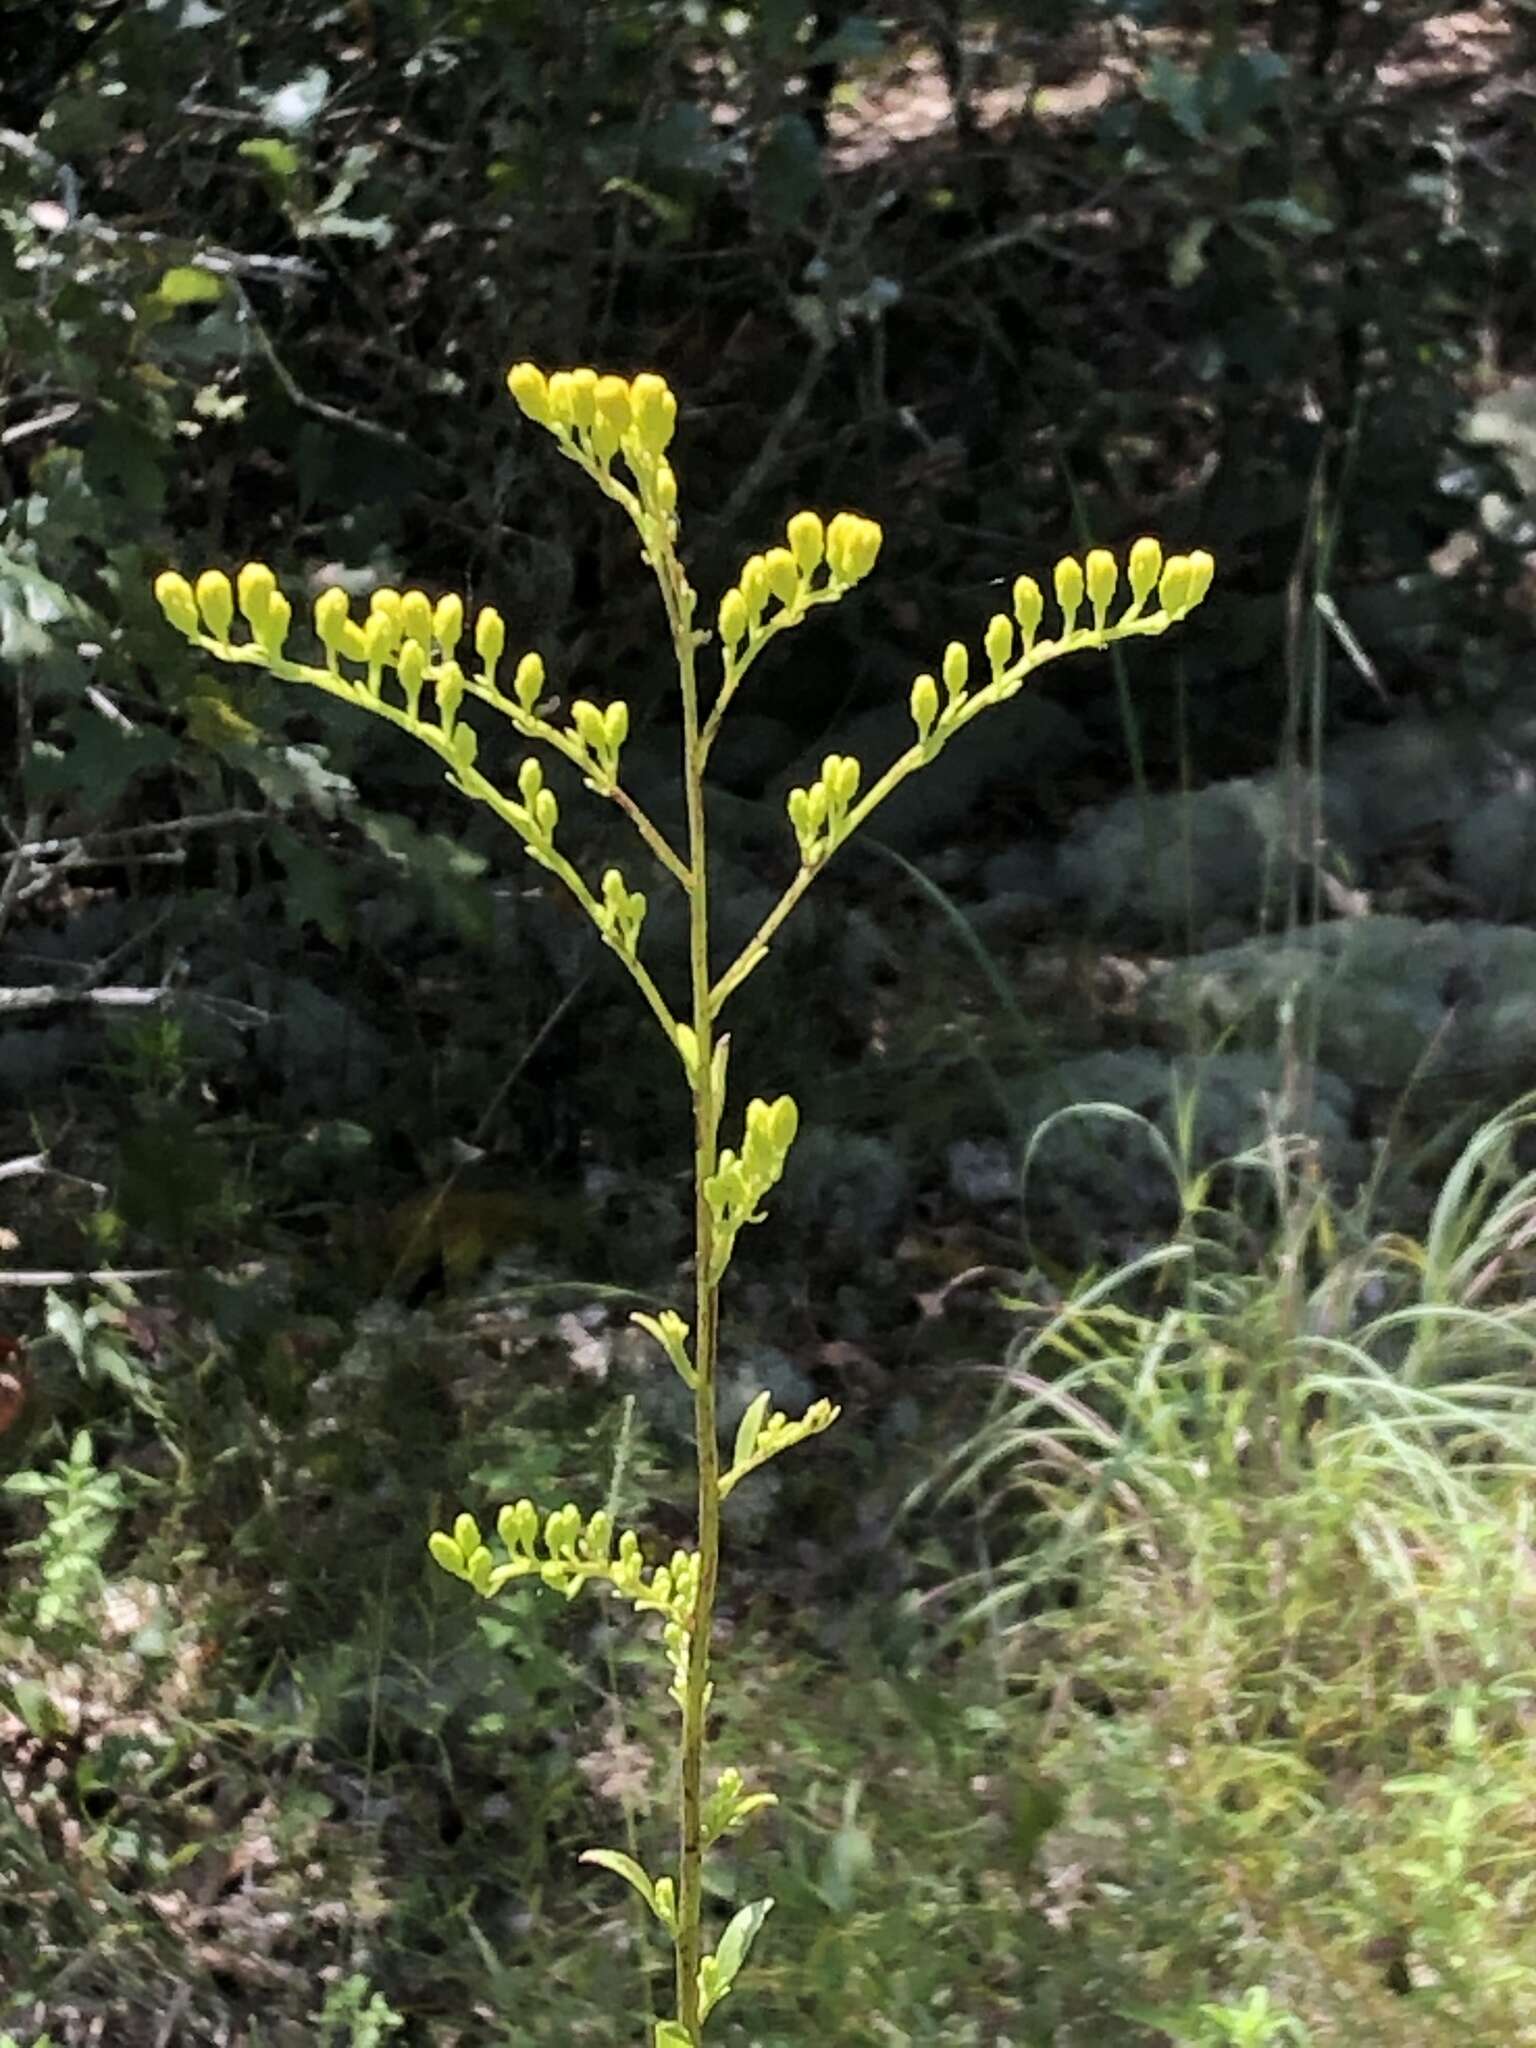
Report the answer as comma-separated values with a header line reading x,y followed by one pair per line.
x,y
361,1109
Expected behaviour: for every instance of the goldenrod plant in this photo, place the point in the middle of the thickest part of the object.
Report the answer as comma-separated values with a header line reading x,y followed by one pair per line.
x,y
405,661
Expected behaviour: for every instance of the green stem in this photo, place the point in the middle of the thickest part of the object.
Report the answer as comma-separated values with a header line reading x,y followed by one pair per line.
x,y
754,951
680,602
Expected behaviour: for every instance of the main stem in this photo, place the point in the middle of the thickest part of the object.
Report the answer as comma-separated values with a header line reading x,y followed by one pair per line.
x,y
680,601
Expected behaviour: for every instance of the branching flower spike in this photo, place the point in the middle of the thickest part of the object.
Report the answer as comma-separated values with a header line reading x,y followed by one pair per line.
x,y
406,659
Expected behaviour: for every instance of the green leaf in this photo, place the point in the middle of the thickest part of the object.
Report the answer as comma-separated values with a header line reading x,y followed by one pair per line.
x,y
442,868
670,2035
28,1485
736,1942
625,1867
313,891
1186,253
273,154
787,171
1037,1805
850,1856
30,603
670,214
1178,90
747,1430
35,1705
291,775
1288,213
189,285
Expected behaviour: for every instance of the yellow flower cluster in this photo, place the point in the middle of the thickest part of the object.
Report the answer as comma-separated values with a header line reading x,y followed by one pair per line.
x,y
820,814
848,547
1179,583
402,630
598,417
576,1553
1013,646
403,634
739,1183
210,606
621,912
764,1431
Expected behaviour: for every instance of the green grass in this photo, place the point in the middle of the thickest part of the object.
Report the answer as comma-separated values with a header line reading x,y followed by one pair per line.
x,y
1228,1740
1270,1581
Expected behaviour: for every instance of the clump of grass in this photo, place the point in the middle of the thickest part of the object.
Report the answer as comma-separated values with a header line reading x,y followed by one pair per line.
x,y
1272,1570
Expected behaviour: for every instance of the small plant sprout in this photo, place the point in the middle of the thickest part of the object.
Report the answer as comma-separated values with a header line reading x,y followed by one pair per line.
x,y
405,660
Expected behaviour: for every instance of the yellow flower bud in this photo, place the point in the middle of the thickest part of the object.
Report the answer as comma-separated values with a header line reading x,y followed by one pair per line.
x,y
173,594
562,400
784,1122
412,666
583,397
416,616
546,812
925,705
448,622
798,804
490,637
1028,608
852,546
840,774
1201,569
588,723
448,689
733,619
377,637
331,617
1146,565
807,541
529,388
956,669
616,725
216,602
273,630
999,642
1103,573
754,584
528,683
783,576
655,412
256,586
1069,591
666,489
612,396
1175,584
386,601
352,645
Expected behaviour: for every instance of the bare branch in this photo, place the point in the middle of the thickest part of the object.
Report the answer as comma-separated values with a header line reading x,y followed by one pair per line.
x,y
100,1276
13,1001
44,423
